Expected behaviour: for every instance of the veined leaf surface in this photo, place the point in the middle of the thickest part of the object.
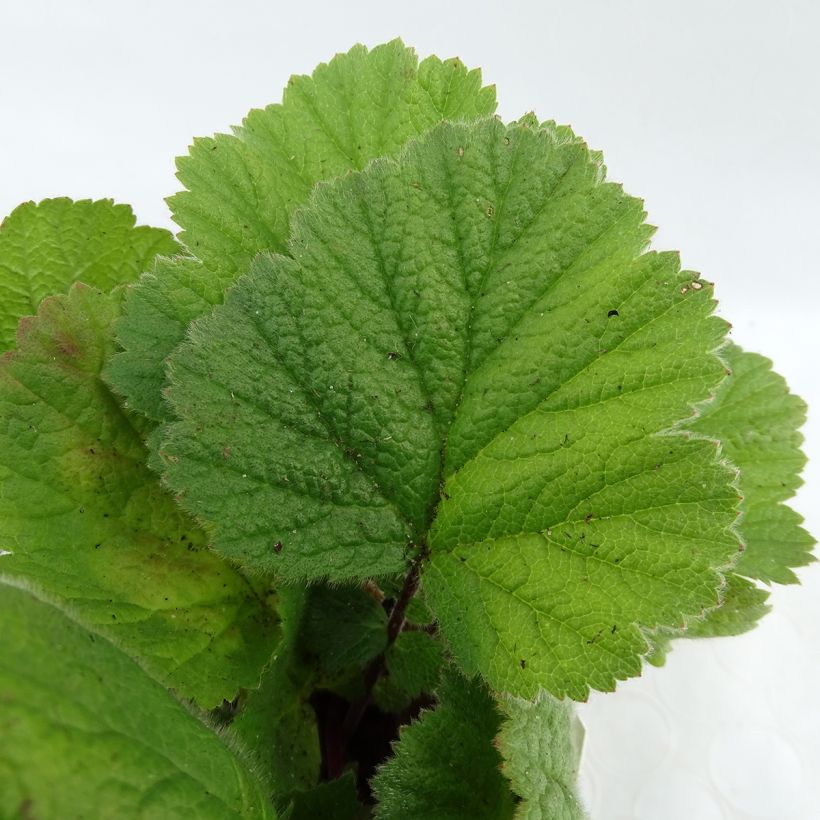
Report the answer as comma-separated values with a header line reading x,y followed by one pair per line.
x,y
242,188
87,733
467,356
84,518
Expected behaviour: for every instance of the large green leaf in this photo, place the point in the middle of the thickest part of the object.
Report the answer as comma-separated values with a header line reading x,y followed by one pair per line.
x,y
242,188
540,743
445,766
46,247
87,733
467,354
84,518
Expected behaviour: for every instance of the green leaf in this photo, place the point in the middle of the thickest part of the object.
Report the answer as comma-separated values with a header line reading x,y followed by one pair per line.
x,y
242,188
445,766
46,247
413,667
335,800
540,743
757,421
277,722
742,605
84,518
342,628
467,353
87,733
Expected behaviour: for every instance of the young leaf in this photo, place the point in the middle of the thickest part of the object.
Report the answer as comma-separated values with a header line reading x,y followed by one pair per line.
x,y
84,518
445,765
87,733
540,743
757,421
46,247
242,188
467,353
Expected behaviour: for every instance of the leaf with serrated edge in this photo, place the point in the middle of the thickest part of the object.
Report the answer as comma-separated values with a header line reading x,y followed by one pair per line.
x,y
242,188
46,247
539,743
477,315
444,765
83,517
757,421
87,733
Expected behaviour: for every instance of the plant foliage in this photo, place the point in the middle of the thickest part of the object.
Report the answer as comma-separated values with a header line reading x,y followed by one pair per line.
x,y
330,507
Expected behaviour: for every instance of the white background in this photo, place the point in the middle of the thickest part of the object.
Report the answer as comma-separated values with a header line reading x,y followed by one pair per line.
x,y
709,109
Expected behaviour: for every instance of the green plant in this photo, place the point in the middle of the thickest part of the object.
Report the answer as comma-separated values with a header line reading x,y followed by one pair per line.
x,y
406,443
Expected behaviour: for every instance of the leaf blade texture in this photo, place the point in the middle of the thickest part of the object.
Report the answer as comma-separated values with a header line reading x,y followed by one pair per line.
x,y
88,733
83,517
445,765
242,188
757,421
47,246
467,353
540,743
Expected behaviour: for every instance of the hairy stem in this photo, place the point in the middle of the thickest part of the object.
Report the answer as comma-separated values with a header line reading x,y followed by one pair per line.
x,y
376,668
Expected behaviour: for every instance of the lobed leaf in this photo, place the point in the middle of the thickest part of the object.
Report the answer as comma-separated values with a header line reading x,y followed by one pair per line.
x,y
83,517
242,188
468,354
757,421
87,733
46,247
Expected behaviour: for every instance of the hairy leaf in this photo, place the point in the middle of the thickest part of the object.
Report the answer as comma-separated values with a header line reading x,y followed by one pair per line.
x,y
46,247
757,421
242,188
87,733
467,352
445,766
276,722
84,518
540,743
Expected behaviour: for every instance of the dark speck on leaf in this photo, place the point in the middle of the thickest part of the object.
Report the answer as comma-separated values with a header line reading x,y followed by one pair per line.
x,y
393,355
613,312
277,547
522,663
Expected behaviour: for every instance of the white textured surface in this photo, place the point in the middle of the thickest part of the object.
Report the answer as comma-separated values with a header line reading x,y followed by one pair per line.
x,y
707,108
